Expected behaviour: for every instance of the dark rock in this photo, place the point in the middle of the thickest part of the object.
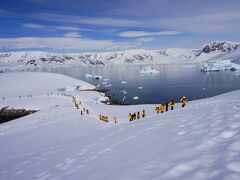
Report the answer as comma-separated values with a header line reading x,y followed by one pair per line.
x,y
7,114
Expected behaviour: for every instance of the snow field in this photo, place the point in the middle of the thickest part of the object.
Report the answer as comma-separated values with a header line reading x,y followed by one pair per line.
x,y
200,141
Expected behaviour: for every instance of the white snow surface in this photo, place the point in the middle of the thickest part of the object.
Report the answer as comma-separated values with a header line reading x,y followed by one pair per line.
x,y
37,83
200,141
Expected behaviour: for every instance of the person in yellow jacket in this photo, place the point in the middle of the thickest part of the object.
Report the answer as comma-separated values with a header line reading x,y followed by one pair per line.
x,y
138,115
161,108
171,104
130,117
183,101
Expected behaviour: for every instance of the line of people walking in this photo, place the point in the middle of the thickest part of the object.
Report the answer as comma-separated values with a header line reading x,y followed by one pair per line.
x,y
164,107
136,115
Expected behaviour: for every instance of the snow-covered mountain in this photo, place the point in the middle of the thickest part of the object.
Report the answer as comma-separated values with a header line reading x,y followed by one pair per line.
x,y
210,51
219,46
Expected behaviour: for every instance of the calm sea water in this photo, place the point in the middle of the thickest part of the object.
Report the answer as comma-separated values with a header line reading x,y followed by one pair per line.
x,y
172,82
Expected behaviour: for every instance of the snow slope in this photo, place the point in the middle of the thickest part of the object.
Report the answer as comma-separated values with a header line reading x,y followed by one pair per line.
x,y
37,83
200,141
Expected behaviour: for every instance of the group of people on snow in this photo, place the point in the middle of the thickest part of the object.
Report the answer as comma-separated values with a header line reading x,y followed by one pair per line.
x,y
164,107
103,118
136,115
77,105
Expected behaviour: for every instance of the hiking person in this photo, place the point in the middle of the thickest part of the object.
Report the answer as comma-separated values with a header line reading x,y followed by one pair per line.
x,y
171,104
115,120
143,113
157,109
130,117
161,108
138,115
166,107
183,101
87,111
82,113
134,116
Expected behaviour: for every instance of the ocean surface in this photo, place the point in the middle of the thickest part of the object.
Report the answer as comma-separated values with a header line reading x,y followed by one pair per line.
x,y
128,86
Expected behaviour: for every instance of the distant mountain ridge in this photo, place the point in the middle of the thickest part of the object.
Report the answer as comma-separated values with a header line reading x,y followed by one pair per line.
x,y
219,46
137,56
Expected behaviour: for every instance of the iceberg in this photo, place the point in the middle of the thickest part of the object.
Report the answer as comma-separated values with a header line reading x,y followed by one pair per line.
x,y
209,69
124,91
147,70
220,65
135,97
88,76
123,82
95,77
188,66
108,85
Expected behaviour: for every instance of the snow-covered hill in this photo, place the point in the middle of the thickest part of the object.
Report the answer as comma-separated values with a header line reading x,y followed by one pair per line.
x,y
200,141
31,59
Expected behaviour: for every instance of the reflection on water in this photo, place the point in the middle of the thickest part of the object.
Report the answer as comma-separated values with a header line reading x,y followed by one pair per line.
x,y
172,82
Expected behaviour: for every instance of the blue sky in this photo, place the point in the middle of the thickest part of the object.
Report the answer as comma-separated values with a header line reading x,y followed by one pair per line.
x,y
107,25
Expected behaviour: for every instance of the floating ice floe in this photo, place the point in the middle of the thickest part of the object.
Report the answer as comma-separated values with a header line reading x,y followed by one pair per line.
x,y
106,79
88,76
123,82
203,89
237,74
220,65
147,70
95,77
188,65
135,97
108,85
124,91
209,68
140,87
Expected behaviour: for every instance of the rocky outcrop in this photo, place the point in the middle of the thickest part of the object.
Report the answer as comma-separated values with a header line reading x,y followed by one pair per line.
x,y
219,46
7,114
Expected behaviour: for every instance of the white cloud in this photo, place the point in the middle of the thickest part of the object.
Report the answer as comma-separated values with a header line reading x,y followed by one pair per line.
x,y
106,21
207,22
72,34
147,33
33,26
145,39
69,28
63,28
64,43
